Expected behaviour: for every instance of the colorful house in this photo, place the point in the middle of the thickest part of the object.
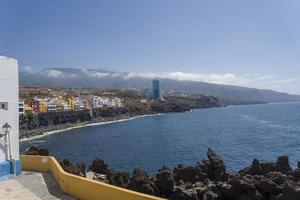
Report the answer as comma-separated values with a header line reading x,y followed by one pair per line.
x,y
42,107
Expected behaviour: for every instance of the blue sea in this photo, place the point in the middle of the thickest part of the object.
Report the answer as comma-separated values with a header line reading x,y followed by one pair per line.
x,y
238,133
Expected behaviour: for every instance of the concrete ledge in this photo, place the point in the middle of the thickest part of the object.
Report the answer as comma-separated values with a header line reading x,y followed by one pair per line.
x,y
80,187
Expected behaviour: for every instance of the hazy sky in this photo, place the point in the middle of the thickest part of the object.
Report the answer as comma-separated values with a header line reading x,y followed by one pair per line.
x,y
253,43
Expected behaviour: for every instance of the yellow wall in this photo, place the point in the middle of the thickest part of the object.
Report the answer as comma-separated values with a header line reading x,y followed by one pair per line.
x,y
80,187
42,107
71,104
27,108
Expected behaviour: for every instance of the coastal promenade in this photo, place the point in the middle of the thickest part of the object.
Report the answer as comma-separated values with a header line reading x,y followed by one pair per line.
x,y
32,186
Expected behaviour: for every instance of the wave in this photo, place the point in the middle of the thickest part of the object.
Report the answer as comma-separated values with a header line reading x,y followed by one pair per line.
x,y
86,125
270,123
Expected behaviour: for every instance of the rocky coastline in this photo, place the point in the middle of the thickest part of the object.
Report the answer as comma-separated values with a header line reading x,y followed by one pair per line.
x,y
206,180
37,124
28,134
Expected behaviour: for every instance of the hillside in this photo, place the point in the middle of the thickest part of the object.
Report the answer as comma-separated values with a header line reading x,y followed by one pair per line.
x,y
75,78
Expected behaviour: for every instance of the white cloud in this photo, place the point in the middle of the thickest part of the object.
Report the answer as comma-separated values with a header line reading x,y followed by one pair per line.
x,y
254,80
28,70
227,78
95,74
72,75
54,73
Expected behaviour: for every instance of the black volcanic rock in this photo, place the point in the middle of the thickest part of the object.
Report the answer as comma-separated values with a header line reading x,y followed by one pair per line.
x,y
230,190
141,182
207,180
210,195
78,169
99,166
184,194
268,187
280,178
33,150
189,173
282,164
289,193
164,181
214,167
268,167
118,178
255,168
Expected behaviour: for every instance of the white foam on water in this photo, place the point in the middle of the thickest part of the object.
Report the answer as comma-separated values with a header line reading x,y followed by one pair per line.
x,y
86,125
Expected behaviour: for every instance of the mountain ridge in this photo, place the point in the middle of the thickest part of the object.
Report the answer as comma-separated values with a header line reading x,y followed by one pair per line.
x,y
76,78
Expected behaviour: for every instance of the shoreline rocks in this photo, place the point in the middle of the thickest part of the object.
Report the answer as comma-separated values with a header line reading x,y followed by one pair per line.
x,y
207,180
36,151
33,124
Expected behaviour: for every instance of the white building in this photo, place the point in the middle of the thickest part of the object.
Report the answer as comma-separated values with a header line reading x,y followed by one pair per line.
x,y
21,107
9,113
95,102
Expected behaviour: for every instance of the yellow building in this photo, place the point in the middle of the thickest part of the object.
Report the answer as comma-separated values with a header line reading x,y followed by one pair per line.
x,y
42,107
87,104
59,108
28,109
71,104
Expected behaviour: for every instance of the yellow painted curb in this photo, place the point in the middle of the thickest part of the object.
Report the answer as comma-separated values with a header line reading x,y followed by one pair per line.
x,y
80,187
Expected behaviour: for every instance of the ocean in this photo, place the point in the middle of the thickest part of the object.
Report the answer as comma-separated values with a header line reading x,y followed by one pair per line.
x,y
238,133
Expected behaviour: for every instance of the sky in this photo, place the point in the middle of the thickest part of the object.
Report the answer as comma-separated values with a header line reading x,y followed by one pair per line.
x,y
253,43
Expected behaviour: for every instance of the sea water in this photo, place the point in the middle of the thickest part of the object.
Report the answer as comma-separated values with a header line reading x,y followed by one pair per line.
x,y
238,133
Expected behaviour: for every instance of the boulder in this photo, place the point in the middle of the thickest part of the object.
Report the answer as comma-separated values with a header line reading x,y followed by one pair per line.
x,y
78,169
189,173
141,182
99,166
279,178
289,193
295,173
229,191
164,181
282,164
214,167
255,195
238,185
267,186
210,195
214,159
182,194
268,167
201,191
247,183
33,150
255,168
118,178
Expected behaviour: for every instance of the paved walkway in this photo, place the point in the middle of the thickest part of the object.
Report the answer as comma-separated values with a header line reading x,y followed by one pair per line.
x,y
32,186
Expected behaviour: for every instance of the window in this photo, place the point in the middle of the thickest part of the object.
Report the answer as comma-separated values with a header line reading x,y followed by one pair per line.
x,y
3,105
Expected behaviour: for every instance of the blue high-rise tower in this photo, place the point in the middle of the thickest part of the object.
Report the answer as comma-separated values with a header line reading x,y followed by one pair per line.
x,y
156,89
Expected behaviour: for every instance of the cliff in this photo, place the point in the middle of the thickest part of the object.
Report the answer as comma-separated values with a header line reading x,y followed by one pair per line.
x,y
37,124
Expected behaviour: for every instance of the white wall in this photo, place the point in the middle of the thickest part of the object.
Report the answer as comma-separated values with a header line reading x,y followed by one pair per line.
x,y
9,93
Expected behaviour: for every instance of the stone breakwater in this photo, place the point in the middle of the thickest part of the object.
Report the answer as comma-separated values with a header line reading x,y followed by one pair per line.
x,y
206,180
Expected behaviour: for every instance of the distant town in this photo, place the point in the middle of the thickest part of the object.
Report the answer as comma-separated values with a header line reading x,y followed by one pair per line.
x,y
46,100
43,109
